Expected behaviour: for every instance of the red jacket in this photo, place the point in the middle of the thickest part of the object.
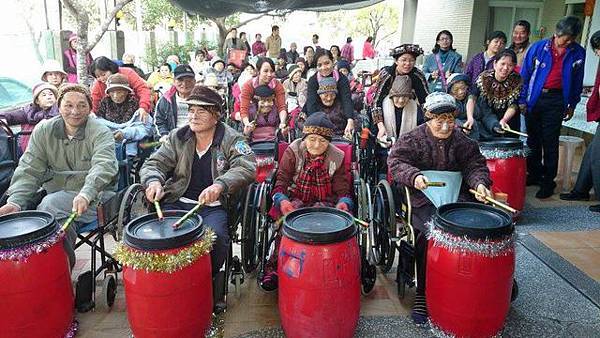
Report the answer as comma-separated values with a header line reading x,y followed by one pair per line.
x,y
593,106
139,86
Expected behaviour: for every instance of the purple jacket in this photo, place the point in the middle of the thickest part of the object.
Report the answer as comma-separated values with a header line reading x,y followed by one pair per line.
x,y
28,117
477,65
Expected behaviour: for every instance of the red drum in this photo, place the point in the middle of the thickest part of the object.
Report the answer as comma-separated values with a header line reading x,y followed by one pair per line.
x,y
163,304
470,267
36,294
506,159
319,274
265,152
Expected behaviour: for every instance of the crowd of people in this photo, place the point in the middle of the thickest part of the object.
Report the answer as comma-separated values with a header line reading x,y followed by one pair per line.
x,y
423,118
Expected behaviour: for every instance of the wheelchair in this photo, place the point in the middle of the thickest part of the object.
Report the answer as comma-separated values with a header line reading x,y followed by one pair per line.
x,y
260,234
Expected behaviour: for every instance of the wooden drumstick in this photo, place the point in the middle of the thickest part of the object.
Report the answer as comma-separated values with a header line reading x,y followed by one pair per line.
x,y
435,184
514,131
361,222
69,220
493,201
159,212
189,214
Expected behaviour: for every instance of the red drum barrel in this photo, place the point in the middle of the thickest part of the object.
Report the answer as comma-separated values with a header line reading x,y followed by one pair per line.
x,y
167,276
506,160
265,152
470,267
319,274
36,294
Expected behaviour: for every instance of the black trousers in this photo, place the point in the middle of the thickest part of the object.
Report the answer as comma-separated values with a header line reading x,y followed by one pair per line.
x,y
421,216
543,126
589,172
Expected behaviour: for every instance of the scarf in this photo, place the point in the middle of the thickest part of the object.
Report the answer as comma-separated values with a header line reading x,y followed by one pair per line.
x,y
499,95
313,183
409,117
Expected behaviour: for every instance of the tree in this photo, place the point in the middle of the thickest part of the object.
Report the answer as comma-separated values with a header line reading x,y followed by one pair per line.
x,y
379,21
81,13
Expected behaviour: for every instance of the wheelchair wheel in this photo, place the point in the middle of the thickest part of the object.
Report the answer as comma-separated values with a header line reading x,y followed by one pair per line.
x,y
369,256
384,221
249,231
109,293
132,206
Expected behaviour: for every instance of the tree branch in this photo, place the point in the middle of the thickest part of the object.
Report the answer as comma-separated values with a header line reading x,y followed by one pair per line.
x,y
104,26
385,37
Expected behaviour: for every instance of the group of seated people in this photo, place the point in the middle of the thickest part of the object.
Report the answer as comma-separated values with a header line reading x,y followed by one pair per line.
x,y
71,153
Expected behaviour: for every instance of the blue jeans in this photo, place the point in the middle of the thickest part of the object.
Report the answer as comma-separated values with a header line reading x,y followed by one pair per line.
x,y
216,219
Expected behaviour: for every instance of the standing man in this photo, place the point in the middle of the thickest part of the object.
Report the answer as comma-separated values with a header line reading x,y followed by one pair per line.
x,y
315,42
348,50
520,39
273,44
552,75
258,47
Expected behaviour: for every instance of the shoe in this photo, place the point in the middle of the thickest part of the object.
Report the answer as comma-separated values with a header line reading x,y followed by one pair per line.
x,y
531,180
595,208
575,196
545,192
419,312
269,280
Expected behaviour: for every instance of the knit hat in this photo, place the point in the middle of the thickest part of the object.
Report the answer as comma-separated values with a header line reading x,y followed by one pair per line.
x,y
117,81
215,60
344,64
320,124
204,96
439,103
183,71
263,91
327,85
407,48
72,37
38,88
74,87
51,66
402,86
458,77
292,69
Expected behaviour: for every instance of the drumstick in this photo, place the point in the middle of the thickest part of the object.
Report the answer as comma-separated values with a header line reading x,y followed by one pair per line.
x,y
493,201
150,144
361,222
69,220
159,212
514,131
465,128
185,217
435,184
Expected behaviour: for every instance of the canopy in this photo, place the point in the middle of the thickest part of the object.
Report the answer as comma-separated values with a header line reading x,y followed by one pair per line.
x,y
220,8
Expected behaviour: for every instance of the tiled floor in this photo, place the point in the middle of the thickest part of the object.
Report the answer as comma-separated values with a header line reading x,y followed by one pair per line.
x,y
580,248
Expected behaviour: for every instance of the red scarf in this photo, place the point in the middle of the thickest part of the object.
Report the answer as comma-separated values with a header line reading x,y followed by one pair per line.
x,y
313,183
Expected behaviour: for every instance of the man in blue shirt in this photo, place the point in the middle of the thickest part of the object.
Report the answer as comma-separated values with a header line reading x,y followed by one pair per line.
x,y
552,75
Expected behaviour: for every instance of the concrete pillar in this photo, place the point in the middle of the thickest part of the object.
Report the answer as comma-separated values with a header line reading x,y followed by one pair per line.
x,y
174,37
409,17
117,44
149,49
479,22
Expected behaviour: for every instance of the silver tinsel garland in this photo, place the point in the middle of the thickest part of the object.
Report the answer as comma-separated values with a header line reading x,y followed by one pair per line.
x,y
501,154
72,332
22,253
463,244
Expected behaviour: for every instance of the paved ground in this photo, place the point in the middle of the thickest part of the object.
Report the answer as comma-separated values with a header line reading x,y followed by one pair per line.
x,y
558,265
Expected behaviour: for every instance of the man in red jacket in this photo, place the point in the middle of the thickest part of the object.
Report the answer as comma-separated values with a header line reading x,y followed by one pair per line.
x,y
589,172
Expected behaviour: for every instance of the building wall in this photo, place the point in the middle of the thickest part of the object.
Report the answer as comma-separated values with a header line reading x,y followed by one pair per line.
x,y
453,15
553,11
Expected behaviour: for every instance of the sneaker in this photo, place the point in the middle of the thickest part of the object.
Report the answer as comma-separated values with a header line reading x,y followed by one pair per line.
x,y
575,196
269,280
544,192
595,208
419,311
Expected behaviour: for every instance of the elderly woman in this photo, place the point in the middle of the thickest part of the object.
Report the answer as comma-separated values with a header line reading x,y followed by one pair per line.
x,y
295,88
496,94
311,173
484,61
442,62
458,87
53,73
435,146
266,76
203,162
405,57
332,106
43,106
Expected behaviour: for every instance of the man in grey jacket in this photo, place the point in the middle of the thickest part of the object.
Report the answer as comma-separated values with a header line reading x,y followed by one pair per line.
x,y
203,162
73,158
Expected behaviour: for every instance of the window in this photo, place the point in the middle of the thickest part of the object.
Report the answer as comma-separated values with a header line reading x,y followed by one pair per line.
x,y
503,15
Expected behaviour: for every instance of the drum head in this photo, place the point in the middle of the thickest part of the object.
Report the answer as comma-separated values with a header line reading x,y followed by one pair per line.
x,y
474,220
148,233
504,143
319,225
25,227
263,147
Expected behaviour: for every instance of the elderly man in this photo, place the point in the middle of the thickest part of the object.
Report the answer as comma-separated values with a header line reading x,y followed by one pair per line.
x,y
435,145
204,161
552,75
171,109
73,158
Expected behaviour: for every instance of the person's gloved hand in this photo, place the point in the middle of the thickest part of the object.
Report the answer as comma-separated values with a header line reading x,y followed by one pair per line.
x,y
286,207
342,206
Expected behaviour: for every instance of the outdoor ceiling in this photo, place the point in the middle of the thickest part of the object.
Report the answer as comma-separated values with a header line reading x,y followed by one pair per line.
x,y
219,8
